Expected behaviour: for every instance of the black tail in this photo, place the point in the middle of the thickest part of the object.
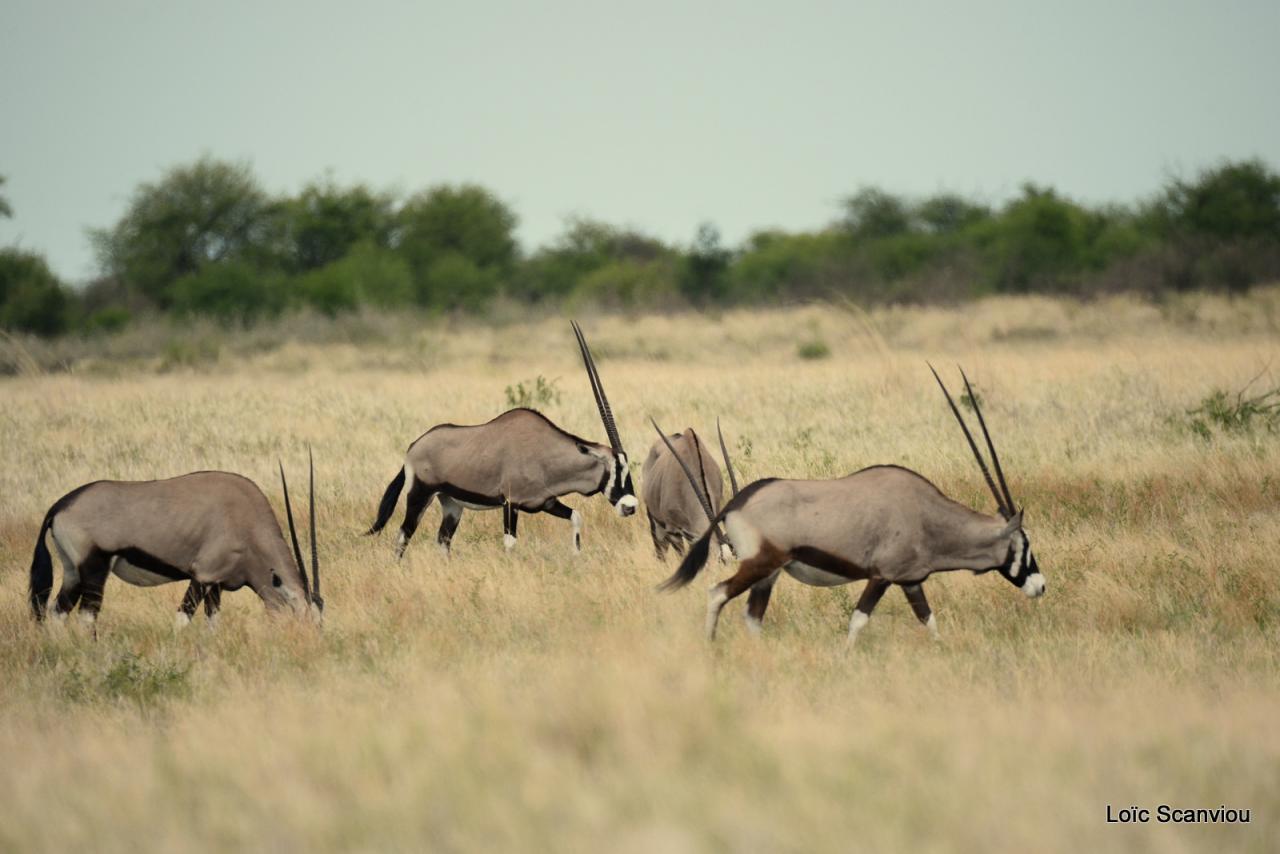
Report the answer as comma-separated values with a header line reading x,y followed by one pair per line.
x,y
692,564
388,504
41,570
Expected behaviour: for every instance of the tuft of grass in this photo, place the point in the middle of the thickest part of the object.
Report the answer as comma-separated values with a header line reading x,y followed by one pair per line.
x,y
814,348
1236,413
131,677
539,392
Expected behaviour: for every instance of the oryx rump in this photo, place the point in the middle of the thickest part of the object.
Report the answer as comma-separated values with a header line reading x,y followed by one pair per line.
x,y
682,490
520,462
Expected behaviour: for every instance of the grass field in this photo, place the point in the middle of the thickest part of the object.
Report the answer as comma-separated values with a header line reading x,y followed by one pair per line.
x,y
544,701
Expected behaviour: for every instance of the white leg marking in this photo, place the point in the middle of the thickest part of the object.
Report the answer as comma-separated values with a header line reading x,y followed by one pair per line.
x,y
754,627
87,618
743,535
932,626
856,623
508,541
716,597
212,620
181,620
575,519
726,552
401,543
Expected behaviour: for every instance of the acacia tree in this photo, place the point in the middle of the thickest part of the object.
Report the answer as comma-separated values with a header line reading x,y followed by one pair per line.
x,y
325,221
196,215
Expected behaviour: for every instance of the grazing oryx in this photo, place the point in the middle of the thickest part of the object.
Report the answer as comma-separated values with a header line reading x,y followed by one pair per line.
x,y
212,528
679,506
519,461
885,524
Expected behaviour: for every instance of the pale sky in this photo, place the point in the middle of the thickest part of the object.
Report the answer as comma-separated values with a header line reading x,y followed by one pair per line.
x,y
656,115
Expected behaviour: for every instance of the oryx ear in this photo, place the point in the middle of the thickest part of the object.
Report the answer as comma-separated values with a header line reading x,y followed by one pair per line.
x,y
1015,525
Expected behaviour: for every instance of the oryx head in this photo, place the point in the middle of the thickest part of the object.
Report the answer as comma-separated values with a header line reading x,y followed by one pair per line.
x,y
1020,567
301,594
617,485
700,488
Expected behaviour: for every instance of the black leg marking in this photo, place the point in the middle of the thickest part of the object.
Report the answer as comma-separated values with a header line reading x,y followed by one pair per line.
x,y
920,604
758,603
871,596
561,510
191,599
212,600
450,516
415,505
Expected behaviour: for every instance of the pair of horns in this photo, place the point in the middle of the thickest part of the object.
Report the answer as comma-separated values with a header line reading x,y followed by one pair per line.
x,y
1005,500
597,389
310,586
701,491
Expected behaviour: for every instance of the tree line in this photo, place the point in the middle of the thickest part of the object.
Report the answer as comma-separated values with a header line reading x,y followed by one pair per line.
x,y
207,239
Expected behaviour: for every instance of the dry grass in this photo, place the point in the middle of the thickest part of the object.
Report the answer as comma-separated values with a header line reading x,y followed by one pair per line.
x,y
543,701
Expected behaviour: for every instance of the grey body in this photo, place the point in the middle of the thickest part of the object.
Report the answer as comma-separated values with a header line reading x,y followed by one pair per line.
x,y
676,514
519,461
214,529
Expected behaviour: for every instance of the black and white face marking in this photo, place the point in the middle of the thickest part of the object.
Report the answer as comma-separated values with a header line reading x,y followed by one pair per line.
x,y
619,488
1022,571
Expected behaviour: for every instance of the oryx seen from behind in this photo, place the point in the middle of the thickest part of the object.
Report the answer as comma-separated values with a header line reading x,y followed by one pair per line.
x,y
520,462
212,528
886,524
683,490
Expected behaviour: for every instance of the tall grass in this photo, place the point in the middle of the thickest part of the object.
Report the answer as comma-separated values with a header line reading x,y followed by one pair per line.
x,y
542,700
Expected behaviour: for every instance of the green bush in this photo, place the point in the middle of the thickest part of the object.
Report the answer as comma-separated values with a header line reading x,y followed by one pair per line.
x,y
230,291
368,275
32,299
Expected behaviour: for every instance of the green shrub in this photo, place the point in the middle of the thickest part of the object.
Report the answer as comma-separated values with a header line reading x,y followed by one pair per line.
x,y
367,276
813,349
229,291
539,392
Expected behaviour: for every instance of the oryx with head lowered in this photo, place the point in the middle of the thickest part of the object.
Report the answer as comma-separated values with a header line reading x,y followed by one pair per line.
x,y
212,528
520,462
885,524
680,503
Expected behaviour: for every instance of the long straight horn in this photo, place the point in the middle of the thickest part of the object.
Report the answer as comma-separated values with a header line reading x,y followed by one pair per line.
x,y
973,446
311,503
597,389
293,532
702,496
724,452
995,459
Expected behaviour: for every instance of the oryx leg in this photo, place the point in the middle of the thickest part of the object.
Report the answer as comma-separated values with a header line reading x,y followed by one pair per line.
x,y
190,602
69,594
659,535
919,604
758,603
750,572
450,516
561,510
93,575
415,505
510,518
212,603
871,595
680,542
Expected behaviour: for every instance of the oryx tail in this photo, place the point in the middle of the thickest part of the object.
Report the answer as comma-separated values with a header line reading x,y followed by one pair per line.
x,y
41,570
388,504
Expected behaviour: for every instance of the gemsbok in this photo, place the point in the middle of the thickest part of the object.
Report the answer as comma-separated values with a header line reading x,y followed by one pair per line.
x,y
212,528
680,506
885,524
519,461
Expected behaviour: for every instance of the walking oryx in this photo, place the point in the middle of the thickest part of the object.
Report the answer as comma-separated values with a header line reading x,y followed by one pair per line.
x,y
679,506
886,524
212,528
519,461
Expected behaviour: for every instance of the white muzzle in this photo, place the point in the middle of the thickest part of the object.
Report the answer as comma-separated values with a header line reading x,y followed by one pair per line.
x,y
1034,585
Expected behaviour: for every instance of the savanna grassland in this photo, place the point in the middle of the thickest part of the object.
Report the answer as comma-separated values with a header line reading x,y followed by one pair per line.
x,y
541,700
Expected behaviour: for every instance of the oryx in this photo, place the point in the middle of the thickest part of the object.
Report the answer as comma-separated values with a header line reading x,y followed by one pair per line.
x,y
213,528
520,461
680,507
886,524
